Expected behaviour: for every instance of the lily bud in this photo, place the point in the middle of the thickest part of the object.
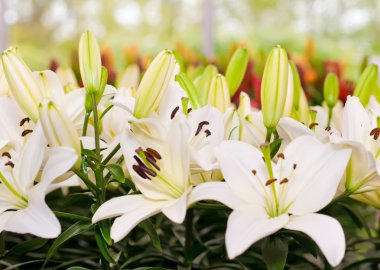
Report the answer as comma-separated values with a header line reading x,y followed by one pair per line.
x,y
4,87
236,69
219,95
88,102
187,85
274,87
22,83
90,63
331,89
289,94
366,84
58,129
154,84
202,83
129,78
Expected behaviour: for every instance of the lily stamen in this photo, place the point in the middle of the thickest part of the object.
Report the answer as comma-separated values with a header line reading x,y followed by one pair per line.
x,y
270,181
285,180
6,154
24,120
154,153
26,132
172,115
200,126
10,164
140,172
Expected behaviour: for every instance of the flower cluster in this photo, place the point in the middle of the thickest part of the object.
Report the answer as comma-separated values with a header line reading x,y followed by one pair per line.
x,y
178,143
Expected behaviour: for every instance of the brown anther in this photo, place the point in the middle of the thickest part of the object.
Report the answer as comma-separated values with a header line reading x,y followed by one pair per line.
x,y
263,158
285,180
26,132
328,128
312,125
139,161
189,110
151,160
373,131
6,154
148,171
294,166
254,171
200,126
10,164
208,132
154,153
172,115
270,181
24,120
140,172
377,134
281,155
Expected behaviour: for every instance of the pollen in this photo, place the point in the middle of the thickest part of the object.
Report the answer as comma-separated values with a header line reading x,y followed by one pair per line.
x,y
312,125
270,181
285,180
281,155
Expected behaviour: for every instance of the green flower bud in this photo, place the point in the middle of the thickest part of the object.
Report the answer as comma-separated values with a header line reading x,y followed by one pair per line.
x,y
236,69
89,98
58,129
186,84
202,83
366,84
274,87
22,83
154,84
129,78
331,89
90,62
218,95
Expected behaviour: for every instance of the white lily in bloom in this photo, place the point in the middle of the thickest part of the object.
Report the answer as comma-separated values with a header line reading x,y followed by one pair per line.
x,y
160,168
360,132
22,202
303,181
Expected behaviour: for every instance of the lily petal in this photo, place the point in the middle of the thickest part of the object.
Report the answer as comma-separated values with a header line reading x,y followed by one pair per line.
x,y
37,218
237,160
61,159
216,191
246,227
142,209
322,229
317,175
176,211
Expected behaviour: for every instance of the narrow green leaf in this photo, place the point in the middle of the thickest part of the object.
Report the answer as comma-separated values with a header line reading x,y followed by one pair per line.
x,y
116,172
275,146
236,70
77,268
102,245
72,231
275,252
27,246
105,228
148,227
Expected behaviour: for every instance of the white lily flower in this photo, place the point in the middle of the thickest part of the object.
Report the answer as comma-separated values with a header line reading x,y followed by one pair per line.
x,y
22,204
302,184
160,169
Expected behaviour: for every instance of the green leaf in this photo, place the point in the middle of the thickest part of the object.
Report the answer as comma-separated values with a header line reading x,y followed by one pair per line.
x,y
72,231
27,246
186,84
105,228
304,241
117,172
130,184
77,268
275,146
148,227
236,69
357,218
275,252
102,245
90,154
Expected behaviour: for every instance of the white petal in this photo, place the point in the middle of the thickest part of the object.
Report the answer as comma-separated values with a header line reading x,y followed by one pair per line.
x,y
11,115
31,159
36,219
246,227
319,170
176,210
216,191
69,180
124,224
356,122
325,231
237,160
288,129
61,159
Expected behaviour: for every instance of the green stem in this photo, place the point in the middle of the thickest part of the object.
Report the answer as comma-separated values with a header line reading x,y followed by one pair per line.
x,y
105,111
91,186
110,156
268,135
72,216
330,116
96,127
85,124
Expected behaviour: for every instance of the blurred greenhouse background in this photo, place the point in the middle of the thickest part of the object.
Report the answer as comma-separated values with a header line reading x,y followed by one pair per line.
x,y
44,30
